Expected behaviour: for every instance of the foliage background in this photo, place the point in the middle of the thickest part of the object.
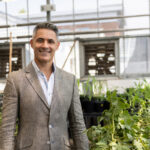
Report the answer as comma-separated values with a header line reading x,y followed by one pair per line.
x,y
126,125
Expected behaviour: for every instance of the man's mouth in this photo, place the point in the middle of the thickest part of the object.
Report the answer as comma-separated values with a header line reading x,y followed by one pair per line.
x,y
41,50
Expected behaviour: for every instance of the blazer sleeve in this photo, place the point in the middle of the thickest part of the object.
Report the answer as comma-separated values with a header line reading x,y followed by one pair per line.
x,y
76,121
9,115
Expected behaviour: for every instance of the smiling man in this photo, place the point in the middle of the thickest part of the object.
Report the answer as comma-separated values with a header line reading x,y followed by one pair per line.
x,y
44,99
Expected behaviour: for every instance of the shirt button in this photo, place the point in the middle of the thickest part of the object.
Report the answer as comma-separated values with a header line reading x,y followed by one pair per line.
x,y
48,142
50,126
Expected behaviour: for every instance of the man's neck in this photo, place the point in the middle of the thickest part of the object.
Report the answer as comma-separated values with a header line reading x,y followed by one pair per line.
x,y
46,68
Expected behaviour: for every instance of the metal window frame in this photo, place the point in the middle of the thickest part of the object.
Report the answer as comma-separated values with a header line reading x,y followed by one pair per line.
x,y
20,45
83,42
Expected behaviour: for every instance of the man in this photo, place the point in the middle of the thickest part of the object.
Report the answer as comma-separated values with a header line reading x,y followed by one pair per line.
x,y
44,99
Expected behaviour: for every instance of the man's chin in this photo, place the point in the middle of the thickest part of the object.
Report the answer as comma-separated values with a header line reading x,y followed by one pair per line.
x,y
44,61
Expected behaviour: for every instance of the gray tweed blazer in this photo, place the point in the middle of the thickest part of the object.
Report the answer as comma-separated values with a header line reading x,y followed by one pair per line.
x,y
41,127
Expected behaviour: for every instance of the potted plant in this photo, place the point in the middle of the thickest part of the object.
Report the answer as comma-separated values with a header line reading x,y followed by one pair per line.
x,y
91,100
126,125
86,98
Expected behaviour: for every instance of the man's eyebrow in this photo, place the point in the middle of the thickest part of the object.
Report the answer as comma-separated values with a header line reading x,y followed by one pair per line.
x,y
40,38
50,39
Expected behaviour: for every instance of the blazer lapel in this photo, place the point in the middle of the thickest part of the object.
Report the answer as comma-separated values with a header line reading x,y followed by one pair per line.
x,y
34,81
56,91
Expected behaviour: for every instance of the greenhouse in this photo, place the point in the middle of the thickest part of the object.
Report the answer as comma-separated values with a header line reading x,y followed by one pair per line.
x,y
75,75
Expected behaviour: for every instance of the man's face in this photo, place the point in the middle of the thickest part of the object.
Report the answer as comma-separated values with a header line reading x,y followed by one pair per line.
x,y
44,44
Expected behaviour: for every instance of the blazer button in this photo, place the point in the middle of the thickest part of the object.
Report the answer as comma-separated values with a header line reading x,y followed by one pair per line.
x,y
48,142
50,126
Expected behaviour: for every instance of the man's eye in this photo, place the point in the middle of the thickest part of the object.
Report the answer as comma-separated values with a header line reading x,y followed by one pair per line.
x,y
51,41
39,40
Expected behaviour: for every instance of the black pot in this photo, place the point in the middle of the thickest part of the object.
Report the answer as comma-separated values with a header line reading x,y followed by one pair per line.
x,y
87,105
100,106
95,105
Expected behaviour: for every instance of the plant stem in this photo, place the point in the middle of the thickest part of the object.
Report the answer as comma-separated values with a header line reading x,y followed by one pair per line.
x,y
113,127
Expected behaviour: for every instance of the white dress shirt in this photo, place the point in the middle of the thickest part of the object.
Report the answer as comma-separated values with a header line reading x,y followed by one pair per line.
x,y
47,85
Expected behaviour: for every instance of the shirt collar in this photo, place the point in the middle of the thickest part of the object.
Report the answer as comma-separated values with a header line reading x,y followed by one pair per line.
x,y
38,70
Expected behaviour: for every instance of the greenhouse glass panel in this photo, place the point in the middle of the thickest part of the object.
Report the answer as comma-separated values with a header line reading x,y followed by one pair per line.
x,y
135,56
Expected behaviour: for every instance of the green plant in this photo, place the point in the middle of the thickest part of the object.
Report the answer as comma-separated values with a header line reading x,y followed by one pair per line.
x,y
91,88
98,87
88,88
126,125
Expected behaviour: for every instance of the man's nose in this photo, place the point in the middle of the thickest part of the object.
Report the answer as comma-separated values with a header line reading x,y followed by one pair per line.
x,y
45,44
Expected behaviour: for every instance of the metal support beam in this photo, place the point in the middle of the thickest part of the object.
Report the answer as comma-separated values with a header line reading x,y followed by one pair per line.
x,y
48,12
76,20
86,32
84,39
6,17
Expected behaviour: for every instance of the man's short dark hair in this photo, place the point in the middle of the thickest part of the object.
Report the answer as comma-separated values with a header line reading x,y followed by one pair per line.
x,y
46,25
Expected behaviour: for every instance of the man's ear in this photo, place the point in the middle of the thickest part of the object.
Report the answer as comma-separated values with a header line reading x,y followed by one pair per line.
x,y
31,43
58,44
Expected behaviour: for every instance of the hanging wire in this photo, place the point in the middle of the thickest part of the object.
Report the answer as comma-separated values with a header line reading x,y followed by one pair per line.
x,y
69,54
10,52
